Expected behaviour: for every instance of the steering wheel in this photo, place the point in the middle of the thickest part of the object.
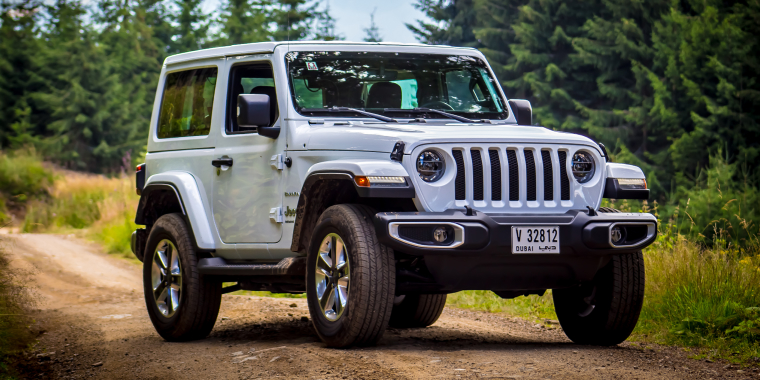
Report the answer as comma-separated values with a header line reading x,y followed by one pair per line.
x,y
438,104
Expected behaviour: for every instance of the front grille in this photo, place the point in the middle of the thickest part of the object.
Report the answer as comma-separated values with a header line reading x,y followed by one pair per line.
x,y
495,174
514,176
548,175
564,180
477,175
459,184
530,174
535,166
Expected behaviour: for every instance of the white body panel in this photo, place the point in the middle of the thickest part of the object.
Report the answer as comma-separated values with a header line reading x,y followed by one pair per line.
x,y
624,171
244,194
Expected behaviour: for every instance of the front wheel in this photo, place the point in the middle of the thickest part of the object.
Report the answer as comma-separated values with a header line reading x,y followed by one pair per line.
x,y
350,278
604,311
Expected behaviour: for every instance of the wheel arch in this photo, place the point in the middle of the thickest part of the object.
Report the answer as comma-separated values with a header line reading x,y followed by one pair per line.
x,y
322,189
177,192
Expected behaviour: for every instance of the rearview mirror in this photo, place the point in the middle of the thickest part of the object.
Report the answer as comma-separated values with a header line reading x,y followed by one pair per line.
x,y
254,111
522,110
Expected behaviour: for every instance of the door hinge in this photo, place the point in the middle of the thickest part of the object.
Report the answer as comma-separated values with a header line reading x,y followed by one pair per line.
x,y
277,162
276,215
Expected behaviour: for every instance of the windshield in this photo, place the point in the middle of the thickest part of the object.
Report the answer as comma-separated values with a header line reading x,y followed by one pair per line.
x,y
393,84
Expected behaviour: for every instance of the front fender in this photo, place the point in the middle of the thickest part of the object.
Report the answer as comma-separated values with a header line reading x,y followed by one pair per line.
x,y
193,204
381,168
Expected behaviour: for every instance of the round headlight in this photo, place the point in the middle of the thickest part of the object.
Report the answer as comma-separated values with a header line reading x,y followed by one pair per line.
x,y
583,166
430,166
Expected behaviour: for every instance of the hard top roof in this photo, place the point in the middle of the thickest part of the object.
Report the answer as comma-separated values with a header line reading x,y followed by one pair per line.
x,y
268,47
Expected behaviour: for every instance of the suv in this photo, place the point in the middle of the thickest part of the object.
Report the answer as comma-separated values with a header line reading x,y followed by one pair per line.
x,y
376,178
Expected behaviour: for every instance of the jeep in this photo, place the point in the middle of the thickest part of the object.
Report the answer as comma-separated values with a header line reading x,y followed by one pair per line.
x,y
376,178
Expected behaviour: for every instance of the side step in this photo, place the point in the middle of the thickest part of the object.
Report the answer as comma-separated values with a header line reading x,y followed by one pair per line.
x,y
217,266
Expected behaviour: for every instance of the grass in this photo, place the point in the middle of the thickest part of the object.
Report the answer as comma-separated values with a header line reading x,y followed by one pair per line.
x,y
700,296
15,300
532,307
23,177
92,206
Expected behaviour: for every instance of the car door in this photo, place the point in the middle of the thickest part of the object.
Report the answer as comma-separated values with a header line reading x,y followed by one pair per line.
x,y
247,190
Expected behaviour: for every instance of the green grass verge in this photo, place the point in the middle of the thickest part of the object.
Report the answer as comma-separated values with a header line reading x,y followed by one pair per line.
x,y
531,307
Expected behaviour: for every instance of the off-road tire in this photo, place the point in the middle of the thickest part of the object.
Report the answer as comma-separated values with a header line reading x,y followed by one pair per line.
x,y
618,300
417,310
199,299
372,278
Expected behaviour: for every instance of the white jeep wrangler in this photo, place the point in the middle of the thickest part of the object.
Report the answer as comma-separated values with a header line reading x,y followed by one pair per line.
x,y
376,178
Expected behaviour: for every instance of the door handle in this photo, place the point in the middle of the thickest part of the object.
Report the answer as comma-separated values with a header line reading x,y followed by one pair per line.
x,y
222,161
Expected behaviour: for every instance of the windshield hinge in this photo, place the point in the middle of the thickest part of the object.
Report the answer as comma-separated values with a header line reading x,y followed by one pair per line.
x,y
276,215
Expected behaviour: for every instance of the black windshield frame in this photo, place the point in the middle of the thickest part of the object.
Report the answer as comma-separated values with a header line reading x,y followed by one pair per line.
x,y
332,69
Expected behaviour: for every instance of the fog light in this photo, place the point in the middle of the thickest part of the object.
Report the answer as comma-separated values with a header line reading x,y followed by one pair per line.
x,y
440,235
617,234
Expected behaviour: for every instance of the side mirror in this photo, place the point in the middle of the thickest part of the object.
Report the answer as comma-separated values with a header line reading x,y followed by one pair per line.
x,y
522,110
254,111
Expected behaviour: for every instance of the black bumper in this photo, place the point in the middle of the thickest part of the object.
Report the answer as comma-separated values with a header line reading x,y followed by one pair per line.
x,y
483,258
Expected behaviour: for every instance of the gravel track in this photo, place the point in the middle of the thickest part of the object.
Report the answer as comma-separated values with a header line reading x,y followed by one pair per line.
x,y
93,324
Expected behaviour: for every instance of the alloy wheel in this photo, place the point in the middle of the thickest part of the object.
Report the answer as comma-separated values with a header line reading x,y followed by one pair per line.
x,y
166,276
332,277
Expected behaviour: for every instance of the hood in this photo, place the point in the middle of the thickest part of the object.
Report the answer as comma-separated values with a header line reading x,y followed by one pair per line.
x,y
381,137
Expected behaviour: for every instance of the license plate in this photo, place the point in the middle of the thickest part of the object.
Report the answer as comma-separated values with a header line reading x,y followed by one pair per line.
x,y
535,239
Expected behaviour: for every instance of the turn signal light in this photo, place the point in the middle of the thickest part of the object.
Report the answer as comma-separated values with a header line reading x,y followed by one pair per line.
x,y
361,181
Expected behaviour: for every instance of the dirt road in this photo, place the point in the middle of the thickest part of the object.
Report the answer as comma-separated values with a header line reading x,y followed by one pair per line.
x,y
95,326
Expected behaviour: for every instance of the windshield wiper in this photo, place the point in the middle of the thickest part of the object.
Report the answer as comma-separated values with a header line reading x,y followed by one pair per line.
x,y
348,109
430,110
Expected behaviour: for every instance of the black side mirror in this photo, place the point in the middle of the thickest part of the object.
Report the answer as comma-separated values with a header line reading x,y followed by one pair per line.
x,y
254,111
522,110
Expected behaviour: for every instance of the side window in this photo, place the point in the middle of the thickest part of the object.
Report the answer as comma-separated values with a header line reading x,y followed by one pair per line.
x,y
187,103
255,78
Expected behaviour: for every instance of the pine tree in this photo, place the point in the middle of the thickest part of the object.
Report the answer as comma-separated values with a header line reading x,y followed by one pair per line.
x,y
293,19
372,33
192,25
544,66
325,28
453,23
135,59
18,48
80,96
243,21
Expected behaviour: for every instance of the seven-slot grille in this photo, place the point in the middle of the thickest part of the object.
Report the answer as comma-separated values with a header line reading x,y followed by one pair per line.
x,y
516,166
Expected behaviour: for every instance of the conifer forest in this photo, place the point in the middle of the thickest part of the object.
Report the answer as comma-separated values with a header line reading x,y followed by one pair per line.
x,y
670,86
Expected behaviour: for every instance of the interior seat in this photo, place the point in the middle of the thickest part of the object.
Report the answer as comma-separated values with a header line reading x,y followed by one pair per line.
x,y
384,95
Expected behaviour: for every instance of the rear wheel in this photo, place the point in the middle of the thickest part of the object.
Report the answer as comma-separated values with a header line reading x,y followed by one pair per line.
x,y
350,278
181,304
604,311
417,310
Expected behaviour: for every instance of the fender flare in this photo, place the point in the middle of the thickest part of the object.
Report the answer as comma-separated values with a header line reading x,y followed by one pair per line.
x,y
346,170
191,199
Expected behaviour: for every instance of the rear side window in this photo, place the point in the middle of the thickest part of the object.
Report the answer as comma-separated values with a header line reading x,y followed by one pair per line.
x,y
187,103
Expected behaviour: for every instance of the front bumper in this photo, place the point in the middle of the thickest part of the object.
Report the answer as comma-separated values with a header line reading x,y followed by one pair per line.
x,y
479,256
581,234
